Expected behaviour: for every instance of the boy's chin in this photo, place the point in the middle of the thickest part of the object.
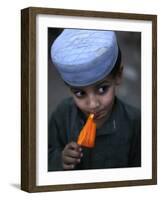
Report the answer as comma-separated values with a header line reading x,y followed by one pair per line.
x,y
99,120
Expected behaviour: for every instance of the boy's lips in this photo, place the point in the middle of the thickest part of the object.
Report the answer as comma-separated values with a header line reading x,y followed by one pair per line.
x,y
99,115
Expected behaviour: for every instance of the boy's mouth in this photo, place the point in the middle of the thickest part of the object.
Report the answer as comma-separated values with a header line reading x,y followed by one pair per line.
x,y
98,115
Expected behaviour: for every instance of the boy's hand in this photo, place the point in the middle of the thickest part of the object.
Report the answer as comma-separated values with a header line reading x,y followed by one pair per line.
x,y
71,155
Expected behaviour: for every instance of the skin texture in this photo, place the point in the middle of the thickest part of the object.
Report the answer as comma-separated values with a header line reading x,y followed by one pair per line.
x,y
97,99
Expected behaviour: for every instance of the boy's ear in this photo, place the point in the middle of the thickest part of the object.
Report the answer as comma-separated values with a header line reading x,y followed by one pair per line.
x,y
118,77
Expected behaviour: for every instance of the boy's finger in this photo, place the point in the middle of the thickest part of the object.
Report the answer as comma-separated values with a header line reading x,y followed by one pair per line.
x,y
70,160
68,167
73,153
75,146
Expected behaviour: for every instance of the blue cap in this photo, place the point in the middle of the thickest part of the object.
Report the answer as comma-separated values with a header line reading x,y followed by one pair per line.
x,y
84,57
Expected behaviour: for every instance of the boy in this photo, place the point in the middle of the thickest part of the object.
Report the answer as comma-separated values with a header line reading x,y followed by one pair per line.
x,y
89,62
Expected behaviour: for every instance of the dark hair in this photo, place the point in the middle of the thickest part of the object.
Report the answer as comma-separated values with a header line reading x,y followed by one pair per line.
x,y
116,68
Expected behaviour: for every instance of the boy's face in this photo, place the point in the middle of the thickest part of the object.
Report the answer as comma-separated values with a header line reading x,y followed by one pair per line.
x,y
97,99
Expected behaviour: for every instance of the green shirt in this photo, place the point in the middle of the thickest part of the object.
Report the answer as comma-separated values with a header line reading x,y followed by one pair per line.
x,y
118,141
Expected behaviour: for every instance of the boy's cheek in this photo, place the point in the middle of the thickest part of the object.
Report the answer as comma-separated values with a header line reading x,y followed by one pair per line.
x,y
80,104
107,99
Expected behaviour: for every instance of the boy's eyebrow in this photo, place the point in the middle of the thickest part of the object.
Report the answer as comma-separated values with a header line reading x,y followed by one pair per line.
x,y
75,88
94,85
102,82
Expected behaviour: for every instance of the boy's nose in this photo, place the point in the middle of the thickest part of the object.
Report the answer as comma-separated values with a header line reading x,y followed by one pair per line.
x,y
93,103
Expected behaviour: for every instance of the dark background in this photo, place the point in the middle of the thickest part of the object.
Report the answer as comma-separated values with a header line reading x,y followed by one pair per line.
x,y
130,89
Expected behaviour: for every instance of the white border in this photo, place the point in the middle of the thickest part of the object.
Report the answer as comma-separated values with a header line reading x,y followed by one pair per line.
x,y
89,176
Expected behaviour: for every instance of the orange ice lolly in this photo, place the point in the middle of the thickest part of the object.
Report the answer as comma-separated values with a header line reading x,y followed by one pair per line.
x,y
87,135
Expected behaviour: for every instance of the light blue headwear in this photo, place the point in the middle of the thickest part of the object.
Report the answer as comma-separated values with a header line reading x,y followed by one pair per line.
x,y
84,57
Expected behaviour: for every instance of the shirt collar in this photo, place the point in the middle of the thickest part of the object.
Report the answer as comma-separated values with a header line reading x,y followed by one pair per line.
x,y
111,125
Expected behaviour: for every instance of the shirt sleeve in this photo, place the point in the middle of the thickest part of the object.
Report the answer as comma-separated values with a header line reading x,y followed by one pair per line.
x,y
57,136
55,146
61,130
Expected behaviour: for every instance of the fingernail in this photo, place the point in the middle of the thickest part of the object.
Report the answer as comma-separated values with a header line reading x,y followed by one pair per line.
x,y
81,155
80,149
78,160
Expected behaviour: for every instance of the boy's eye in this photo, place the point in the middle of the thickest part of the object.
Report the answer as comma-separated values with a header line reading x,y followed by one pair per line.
x,y
103,89
79,94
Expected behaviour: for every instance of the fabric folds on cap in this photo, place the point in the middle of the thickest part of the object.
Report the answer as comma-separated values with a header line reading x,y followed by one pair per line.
x,y
84,57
